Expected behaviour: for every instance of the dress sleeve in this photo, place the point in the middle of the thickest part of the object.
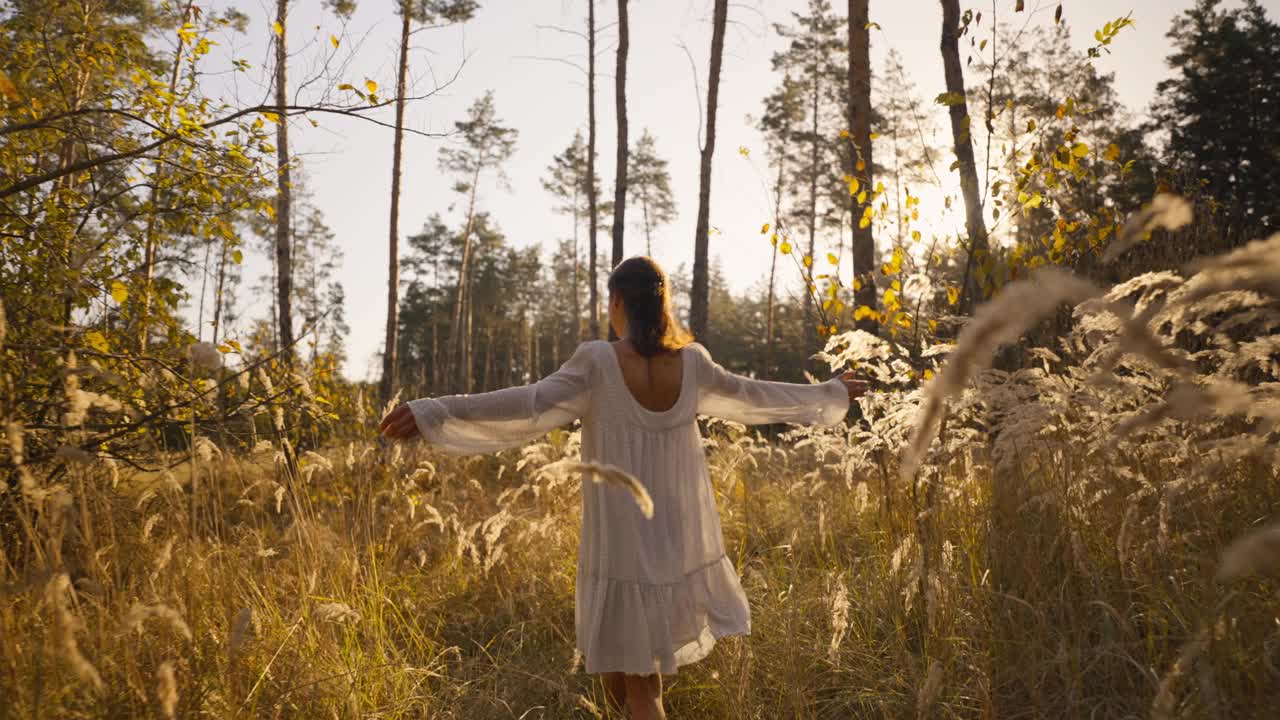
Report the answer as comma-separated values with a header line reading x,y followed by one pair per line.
x,y
492,421
757,402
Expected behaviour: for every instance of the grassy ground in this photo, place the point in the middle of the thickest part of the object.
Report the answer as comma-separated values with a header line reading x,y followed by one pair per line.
x,y
406,585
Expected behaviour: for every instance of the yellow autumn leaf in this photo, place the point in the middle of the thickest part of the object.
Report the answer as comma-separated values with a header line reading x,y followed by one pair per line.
x,y
853,184
764,229
773,240
844,133
875,136
862,165
1113,152
928,374
864,223
743,151
119,292
833,259
95,340
808,261
862,197
903,321
785,248
278,28
334,39
862,312
237,257
8,89
953,295
371,86
1080,150
273,117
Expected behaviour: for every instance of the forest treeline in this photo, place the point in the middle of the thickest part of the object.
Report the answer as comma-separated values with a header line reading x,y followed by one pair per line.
x,y
131,192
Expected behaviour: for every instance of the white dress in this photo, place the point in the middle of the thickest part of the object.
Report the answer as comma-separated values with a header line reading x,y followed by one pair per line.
x,y
652,594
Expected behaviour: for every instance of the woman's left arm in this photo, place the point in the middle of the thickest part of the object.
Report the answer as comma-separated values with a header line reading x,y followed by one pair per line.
x,y
492,421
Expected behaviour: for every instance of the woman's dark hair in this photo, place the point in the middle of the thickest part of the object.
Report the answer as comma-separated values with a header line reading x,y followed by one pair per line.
x,y
646,299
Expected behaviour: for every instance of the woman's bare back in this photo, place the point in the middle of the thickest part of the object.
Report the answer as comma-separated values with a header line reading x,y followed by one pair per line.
x,y
654,381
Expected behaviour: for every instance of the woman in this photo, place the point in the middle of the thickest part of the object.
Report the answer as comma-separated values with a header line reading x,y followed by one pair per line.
x,y
652,594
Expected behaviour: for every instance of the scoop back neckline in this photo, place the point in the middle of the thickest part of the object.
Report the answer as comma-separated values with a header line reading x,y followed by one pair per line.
x,y
622,380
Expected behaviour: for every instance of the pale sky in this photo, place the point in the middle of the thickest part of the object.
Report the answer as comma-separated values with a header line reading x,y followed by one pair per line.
x,y
348,162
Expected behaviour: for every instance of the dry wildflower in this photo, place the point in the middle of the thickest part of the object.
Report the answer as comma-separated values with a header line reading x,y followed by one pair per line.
x,y
585,703
929,691
65,625
1002,320
167,689
139,614
1257,553
1165,211
16,437
839,620
204,356
1255,267
3,326
603,473
162,559
336,612
78,401
1165,703
205,450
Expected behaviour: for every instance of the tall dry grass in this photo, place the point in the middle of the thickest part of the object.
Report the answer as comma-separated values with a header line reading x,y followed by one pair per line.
x,y
1089,536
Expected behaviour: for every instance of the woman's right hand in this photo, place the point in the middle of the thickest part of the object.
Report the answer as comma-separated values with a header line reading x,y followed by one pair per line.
x,y
857,388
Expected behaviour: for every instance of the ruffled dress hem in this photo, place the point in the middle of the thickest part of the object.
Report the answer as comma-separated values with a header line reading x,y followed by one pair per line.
x,y
661,626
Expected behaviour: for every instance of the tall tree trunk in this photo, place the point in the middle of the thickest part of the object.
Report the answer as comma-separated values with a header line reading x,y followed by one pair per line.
x,y
699,293
620,171
284,192
390,361
577,275
864,243
974,224
648,240
810,337
771,310
149,251
217,293
593,212
457,334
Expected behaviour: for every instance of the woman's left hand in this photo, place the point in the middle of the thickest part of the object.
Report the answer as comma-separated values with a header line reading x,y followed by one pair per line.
x,y
399,424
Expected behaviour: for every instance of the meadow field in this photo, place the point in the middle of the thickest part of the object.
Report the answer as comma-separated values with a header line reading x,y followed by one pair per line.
x,y
1088,537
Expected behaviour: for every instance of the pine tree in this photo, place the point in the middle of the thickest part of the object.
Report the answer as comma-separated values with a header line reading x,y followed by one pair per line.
x,y
485,146
567,182
815,59
1220,109
649,184
422,12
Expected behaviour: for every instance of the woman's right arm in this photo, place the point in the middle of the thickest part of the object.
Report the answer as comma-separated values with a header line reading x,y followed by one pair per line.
x,y
759,402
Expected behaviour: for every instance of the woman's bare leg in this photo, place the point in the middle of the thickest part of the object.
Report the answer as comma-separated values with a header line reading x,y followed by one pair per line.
x,y
615,687
644,697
